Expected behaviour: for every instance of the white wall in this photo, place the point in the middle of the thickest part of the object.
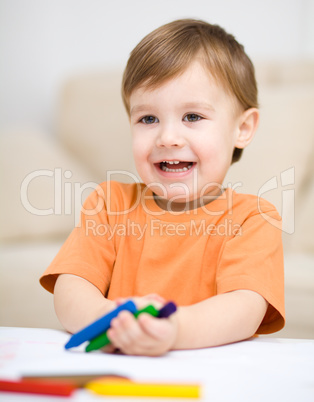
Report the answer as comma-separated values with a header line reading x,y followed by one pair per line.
x,y
42,42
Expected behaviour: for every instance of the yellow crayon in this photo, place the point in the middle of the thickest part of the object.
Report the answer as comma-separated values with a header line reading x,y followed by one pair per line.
x,y
129,388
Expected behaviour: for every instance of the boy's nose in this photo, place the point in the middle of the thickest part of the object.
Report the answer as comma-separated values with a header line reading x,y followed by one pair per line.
x,y
170,137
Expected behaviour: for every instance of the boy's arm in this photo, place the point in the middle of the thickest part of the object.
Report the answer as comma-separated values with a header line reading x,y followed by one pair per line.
x,y
78,302
225,318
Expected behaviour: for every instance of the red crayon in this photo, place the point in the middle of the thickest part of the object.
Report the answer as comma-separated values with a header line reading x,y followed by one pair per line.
x,y
38,387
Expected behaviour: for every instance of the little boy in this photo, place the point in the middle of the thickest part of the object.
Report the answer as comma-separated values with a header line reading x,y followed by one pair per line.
x,y
190,92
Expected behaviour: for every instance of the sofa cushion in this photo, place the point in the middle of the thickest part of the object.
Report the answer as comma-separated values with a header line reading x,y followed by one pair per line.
x,y
279,162
40,186
93,124
23,302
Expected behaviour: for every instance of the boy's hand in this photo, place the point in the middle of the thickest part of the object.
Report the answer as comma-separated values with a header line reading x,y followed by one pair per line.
x,y
145,335
143,301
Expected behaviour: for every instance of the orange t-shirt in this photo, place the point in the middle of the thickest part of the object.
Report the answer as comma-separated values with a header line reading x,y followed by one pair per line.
x,y
127,246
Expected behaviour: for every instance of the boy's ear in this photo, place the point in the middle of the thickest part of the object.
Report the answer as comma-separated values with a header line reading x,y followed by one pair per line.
x,y
248,124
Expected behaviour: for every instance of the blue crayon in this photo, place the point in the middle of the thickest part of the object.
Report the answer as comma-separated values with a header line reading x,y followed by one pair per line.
x,y
99,326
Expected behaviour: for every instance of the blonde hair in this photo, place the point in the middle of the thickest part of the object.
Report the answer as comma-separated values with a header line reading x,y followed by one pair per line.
x,y
169,50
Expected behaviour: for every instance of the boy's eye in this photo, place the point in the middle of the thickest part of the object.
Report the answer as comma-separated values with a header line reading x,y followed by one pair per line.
x,y
192,117
149,120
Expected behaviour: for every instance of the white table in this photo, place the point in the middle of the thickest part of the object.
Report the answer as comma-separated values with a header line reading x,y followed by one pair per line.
x,y
261,369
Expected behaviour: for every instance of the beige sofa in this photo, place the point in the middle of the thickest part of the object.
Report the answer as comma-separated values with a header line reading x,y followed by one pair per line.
x,y
46,176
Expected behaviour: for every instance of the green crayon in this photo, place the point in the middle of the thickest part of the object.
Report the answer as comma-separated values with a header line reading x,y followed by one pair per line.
x,y
102,340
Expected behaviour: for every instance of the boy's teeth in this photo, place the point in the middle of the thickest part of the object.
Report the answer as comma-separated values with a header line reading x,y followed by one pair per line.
x,y
171,162
167,169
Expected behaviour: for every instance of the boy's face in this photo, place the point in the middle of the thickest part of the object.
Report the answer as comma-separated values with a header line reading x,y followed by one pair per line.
x,y
184,133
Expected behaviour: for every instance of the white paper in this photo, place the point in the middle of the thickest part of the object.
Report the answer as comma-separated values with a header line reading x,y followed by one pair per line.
x,y
261,369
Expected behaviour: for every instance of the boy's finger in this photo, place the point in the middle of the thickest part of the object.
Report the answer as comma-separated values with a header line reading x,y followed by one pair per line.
x,y
125,332
109,349
156,328
125,323
156,297
121,300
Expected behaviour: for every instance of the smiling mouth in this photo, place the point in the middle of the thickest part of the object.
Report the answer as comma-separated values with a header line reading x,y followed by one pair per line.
x,y
175,166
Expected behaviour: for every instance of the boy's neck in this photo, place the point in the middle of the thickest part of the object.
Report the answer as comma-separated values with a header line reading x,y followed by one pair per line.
x,y
172,206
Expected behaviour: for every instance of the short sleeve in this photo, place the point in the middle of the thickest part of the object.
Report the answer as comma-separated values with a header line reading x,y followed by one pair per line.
x,y
253,260
87,252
